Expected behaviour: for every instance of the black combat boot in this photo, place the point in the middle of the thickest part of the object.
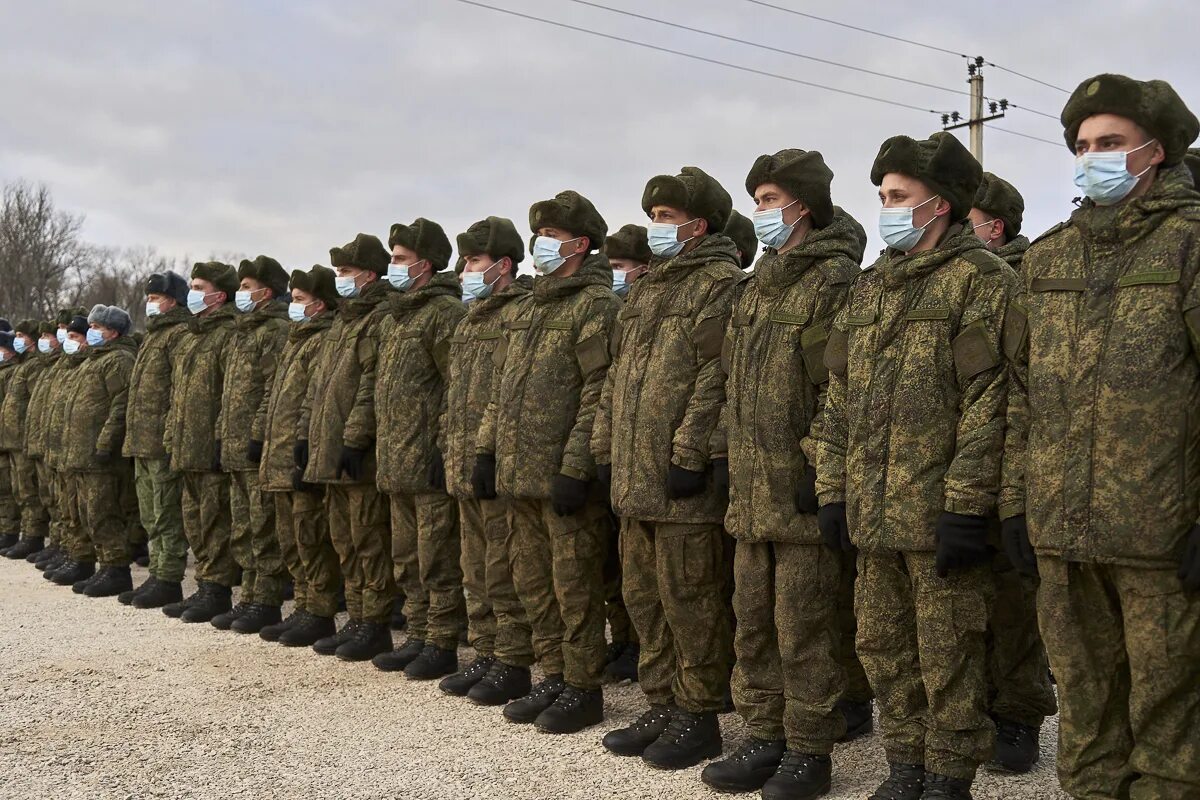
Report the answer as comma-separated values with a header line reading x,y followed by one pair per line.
x,y
159,595
800,776
328,645
126,598
434,662
688,740
1016,747
399,621
461,682
72,572
8,540
573,710
371,639
623,666
502,684
525,710
943,787
26,547
44,557
308,632
176,608
109,582
904,782
224,621
256,617
634,740
400,658
54,565
750,766
271,633
210,600
860,718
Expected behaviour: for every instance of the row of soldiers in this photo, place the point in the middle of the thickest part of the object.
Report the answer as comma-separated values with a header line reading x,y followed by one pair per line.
x,y
831,483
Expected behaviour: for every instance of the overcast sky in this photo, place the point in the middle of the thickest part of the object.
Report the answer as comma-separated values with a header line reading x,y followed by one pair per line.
x,y
287,127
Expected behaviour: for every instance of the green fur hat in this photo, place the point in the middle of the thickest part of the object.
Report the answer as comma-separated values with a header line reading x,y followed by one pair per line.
x,y
1154,105
318,282
940,162
1000,198
803,174
741,230
365,252
222,276
694,191
495,236
629,242
266,271
572,212
425,238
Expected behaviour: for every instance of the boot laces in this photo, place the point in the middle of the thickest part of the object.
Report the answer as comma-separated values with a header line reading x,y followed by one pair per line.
x,y
750,749
902,781
796,764
650,718
569,698
1014,733
478,667
543,688
680,726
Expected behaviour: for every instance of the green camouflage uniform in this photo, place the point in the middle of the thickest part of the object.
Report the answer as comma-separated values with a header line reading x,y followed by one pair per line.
x,y
660,407
538,424
10,515
254,349
72,539
913,426
1103,457
158,487
35,442
793,597
410,396
300,521
496,621
339,410
14,412
197,378
95,423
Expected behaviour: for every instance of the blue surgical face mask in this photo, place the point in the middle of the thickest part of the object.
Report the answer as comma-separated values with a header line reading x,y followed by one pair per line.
x,y
400,275
622,282
196,302
896,226
770,228
94,337
19,344
347,286
152,309
476,286
546,257
663,238
61,335
70,347
44,345
296,312
244,300
1104,178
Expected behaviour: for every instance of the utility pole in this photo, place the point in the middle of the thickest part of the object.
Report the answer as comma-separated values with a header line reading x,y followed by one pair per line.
x,y
976,118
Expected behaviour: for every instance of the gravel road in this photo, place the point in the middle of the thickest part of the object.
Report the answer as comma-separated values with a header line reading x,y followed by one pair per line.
x,y
102,701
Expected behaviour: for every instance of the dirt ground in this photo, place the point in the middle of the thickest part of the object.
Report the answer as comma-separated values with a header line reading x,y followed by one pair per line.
x,y
98,700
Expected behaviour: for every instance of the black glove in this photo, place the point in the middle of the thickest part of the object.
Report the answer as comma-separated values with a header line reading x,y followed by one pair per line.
x,y
806,492
683,483
961,541
301,485
300,454
483,476
216,465
604,477
1015,534
436,475
254,451
567,495
835,531
1189,567
351,462
104,456
720,470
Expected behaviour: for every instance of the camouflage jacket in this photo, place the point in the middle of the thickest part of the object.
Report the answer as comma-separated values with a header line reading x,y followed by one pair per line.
x,y
914,418
41,397
258,338
14,409
197,379
662,400
94,414
64,376
150,384
538,421
774,355
1013,251
410,390
339,409
475,349
283,400
1103,446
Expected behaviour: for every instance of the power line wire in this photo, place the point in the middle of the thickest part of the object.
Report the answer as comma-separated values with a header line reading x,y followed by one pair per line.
x,y
1023,135
1028,77
772,49
695,57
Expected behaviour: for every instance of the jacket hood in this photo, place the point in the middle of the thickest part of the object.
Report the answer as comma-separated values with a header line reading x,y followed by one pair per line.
x,y
595,271
844,237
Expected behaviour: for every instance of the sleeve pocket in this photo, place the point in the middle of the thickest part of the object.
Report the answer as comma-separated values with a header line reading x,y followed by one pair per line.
x,y
837,352
592,353
973,353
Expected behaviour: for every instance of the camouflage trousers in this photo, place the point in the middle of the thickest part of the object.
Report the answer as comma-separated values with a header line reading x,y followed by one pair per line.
x,y
557,569
76,543
922,642
358,528
47,485
1018,674
620,627
302,524
98,509
135,532
160,502
10,515
206,523
675,591
496,621
795,643
35,521
254,541
426,559
1124,643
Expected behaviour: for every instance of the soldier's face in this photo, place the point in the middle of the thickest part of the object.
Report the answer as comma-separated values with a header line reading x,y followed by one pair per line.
x,y
210,291
1108,133
772,195
52,341
165,301
257,289
902,191
574,245
312,306
632,269
487,265
78,338
988,228
688,226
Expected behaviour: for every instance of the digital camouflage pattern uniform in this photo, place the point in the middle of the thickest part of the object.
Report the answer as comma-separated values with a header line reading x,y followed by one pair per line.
x,y
159,488
538,424
253,351
10,515
14,412
793,596
496,621
40,400
1103,456
92,438
72,539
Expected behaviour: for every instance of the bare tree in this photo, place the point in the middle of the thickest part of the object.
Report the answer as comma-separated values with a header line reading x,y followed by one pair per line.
x,y
39,248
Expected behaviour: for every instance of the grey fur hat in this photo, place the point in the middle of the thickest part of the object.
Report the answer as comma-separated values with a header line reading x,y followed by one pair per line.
x,y
111,317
